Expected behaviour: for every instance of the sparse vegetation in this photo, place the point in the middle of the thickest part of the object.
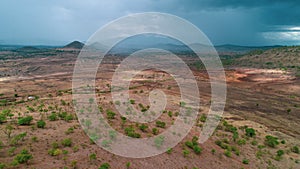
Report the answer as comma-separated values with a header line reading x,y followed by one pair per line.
x,y
41,124
25,120
271,141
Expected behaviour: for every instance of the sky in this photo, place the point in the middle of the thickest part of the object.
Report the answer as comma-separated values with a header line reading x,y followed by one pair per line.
x,y
57,22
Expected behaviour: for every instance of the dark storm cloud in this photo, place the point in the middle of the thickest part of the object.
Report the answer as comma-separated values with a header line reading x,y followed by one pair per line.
x,y
262,22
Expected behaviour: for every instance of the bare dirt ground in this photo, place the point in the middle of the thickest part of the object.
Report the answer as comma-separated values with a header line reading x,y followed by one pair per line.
x,y
265,100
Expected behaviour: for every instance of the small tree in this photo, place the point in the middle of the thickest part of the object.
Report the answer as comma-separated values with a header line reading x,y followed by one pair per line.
x,y
8,131
23,157
250,132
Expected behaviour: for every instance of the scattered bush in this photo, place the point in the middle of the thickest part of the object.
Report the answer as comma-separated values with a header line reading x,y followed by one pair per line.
x,y
70,130
15,140
25,120
241,142
295,149
155,131
131,132
203,118
189,144
53,116
160,124
185,153
23,157
2,165
197,149
143,127
66,142
104,166
170,113
227,153
169,151
280,153
110,114
41,124
54,152
271,141
93,156
245,161
132,101
250,132
3,118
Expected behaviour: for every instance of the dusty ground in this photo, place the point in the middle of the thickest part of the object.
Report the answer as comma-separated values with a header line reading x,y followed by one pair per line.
x,y
267,101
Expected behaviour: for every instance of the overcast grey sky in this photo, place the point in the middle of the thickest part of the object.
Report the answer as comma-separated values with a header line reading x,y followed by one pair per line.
x,y
57,22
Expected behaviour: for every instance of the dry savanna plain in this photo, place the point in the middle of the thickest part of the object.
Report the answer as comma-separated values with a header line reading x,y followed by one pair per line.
x,y
259,128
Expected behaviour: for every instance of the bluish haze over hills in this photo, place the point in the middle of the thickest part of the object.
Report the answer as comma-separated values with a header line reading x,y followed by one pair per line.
x,y
58,22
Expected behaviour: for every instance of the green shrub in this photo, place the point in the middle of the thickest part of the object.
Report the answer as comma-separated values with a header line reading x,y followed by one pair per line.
x,y
235,135
271,141
11,151
2,165
227,153
15,140
250,132
131,132
185,153
41,124
295,149
128,165
25,120
66,142
189,144
70,130
197,149
280,153
3,118
104,166
170,113
160,124
93,156
53,116
245,161
69,117
132,101
1,144
54,152
155,131
110,114
254,143
169,151
23,157
203,118
241,142
143,127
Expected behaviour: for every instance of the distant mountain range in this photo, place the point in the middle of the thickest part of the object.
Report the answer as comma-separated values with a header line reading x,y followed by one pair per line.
x,y
129,48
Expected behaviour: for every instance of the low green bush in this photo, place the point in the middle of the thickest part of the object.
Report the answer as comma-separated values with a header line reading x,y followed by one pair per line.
x,y
41,124
25,120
